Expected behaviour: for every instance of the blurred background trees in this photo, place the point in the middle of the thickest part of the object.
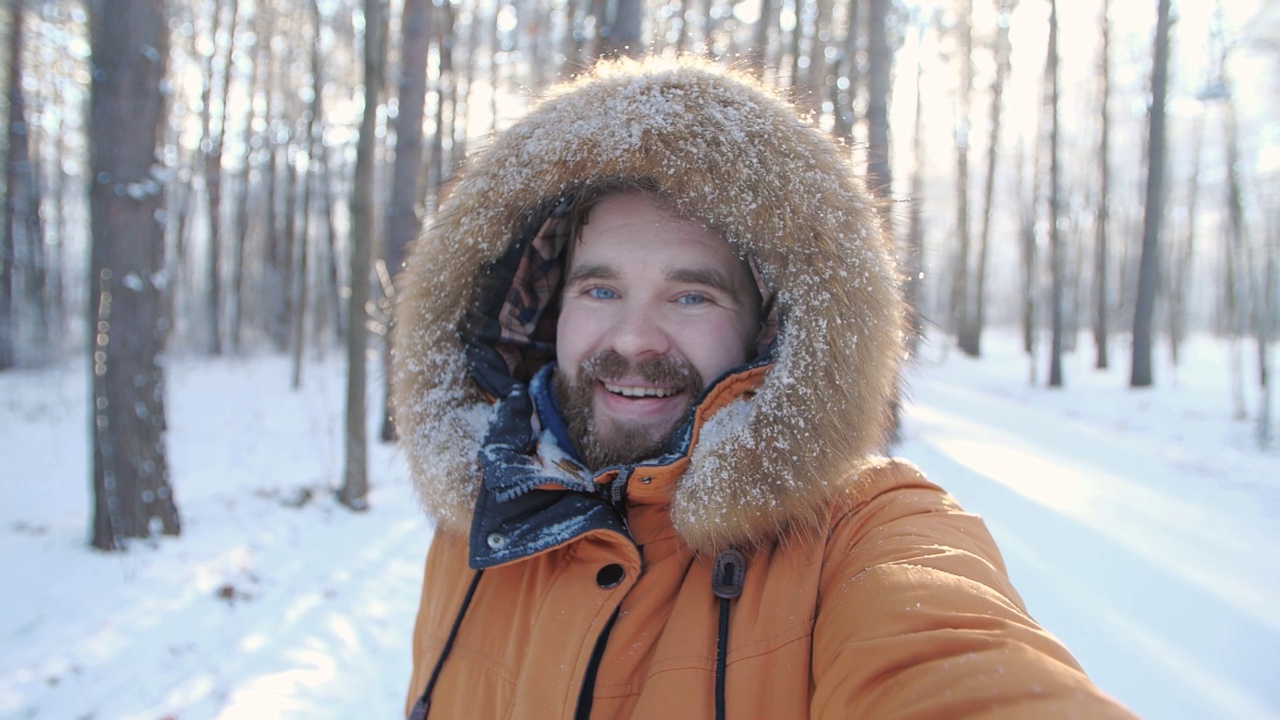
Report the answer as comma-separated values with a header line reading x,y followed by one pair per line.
x,y
1016,168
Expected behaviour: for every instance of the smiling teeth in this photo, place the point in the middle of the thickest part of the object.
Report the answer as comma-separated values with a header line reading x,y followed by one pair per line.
x,y
636,392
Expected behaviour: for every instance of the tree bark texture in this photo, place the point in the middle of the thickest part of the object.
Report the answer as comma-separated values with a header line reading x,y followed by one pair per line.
x,y
132,496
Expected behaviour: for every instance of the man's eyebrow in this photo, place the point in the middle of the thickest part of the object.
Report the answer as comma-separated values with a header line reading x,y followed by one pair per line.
x,y
707,276
591,272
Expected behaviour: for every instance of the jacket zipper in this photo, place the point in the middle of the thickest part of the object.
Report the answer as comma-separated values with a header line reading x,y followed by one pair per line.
x,y
586,695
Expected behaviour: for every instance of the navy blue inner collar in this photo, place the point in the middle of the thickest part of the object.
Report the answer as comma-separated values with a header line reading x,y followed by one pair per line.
x,y
548,408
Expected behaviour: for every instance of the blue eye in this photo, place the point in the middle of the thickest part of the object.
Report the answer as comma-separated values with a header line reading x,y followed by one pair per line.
x,y
600,293
692,299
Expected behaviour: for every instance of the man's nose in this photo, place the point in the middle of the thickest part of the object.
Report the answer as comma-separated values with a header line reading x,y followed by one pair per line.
x,y
638,333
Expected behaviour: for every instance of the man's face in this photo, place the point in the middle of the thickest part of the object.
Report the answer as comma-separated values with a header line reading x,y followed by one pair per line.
x,y
654,309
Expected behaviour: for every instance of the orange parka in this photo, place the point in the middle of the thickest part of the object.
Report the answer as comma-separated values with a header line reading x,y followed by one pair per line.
x,y
769,564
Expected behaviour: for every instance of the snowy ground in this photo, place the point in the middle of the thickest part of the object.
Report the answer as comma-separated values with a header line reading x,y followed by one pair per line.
x,y
1141,527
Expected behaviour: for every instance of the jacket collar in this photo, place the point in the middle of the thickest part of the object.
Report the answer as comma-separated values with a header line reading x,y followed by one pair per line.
x,y
536,493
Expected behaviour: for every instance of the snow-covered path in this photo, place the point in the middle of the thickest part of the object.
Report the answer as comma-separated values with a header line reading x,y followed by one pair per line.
x,y
1150,556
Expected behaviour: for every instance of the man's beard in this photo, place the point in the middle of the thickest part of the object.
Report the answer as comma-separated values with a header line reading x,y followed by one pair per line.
x,y
620,442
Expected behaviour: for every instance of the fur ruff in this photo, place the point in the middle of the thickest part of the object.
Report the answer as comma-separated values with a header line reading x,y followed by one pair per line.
x,y
739,157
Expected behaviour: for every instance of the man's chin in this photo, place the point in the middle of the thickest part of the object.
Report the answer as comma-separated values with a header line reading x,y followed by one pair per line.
x,y
627,443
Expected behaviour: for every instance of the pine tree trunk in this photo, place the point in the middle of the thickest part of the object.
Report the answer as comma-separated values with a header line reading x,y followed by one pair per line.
x,y
1148,270
132,495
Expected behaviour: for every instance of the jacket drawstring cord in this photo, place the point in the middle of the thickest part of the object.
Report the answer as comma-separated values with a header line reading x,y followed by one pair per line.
x,y
726,582
424,702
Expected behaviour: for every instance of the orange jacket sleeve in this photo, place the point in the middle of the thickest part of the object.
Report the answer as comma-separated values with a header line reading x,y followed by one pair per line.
x,y
917,586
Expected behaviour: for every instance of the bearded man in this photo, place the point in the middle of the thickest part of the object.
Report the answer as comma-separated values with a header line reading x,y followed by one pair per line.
x,y
644,367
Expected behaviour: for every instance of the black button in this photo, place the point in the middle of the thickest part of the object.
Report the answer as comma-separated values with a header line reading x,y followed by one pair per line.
x,y
610,576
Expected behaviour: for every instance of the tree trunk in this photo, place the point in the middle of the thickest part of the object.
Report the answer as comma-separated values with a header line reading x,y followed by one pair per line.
x,y
1030,258
970,339
25,303
403,223
213,179
760,36
1148,270
444,78
17,175
847,100
299,332
132,496
915,233
1186,253
816,72
261,60
794,78
1238,279
620,32
879,71
960,281
1055,209
331,236
355,480
1267,315
1101,261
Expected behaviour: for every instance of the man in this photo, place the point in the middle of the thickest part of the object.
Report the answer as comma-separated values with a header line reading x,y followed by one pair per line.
x,y
644,367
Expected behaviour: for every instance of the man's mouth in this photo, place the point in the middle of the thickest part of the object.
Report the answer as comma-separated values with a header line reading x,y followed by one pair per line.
x,y
640,392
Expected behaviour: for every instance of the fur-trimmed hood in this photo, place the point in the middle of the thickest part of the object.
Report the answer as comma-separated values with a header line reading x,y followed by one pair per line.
x,y
735,155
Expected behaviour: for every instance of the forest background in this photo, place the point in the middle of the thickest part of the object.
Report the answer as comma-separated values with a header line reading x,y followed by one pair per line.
x,y
229,177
